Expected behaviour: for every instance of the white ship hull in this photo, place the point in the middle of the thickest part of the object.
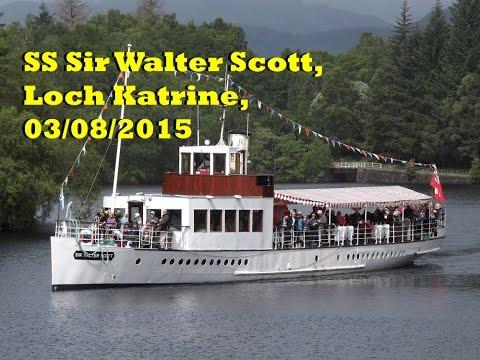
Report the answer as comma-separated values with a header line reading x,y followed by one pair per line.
x,y
131,266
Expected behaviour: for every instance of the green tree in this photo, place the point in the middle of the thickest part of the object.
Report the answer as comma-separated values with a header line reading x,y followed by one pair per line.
x,y
42,19
462,49
317,160
475,171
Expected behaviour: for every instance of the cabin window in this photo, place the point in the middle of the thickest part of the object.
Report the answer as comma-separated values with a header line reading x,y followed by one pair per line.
x,y
215,220
175,219
230,220
185,163
219,163
200,220
244,220
201,163
257,220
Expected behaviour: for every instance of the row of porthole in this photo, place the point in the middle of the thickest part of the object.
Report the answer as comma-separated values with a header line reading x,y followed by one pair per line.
x,y
377,255
204,262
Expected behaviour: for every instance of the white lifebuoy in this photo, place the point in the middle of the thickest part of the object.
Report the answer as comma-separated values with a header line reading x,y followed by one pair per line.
x,y
86,235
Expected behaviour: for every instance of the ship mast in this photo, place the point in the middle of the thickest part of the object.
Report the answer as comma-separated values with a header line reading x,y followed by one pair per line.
x,y
227,81
119,141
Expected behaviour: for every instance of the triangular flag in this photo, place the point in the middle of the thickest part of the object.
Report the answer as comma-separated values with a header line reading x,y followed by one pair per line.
x,y
83,151
199,76
272,112
376,156
259,103
307,132
293,124
121,76
299,129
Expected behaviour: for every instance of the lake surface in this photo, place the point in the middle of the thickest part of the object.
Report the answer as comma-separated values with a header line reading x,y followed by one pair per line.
x,y
430,310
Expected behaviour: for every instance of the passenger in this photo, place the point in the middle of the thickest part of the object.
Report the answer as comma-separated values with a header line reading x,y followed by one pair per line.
x,y
164,222
340,219
102,222
118,215
377,216
312,230
355,218
111,221
138,220
408,213
153,218
347,220
313,223
322,218
100,213
299,226
204,166
287,226
124,220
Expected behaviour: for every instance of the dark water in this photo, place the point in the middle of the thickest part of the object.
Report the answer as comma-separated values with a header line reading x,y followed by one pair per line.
x,y
427,311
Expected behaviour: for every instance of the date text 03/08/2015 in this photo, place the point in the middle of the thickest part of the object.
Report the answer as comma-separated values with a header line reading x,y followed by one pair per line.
x,y
100,129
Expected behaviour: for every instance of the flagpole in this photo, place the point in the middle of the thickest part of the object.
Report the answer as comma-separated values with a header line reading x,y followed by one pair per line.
x,y
221,142
119,142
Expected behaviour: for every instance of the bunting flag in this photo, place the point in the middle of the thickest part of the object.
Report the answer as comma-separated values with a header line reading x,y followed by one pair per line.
x,y
76,164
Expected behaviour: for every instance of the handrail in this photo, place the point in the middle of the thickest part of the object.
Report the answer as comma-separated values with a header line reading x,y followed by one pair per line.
x,y
91,233
362,234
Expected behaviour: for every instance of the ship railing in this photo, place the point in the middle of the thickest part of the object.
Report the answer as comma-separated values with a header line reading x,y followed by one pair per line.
x,y
362,234
85,232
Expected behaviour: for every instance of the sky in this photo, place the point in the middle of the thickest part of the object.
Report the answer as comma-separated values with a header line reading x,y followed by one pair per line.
x,y
387,10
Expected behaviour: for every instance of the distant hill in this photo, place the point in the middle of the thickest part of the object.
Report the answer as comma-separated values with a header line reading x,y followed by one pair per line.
x,y
270,42
270,25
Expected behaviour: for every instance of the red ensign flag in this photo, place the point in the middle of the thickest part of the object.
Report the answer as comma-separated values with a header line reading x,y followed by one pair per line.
x,y
437,187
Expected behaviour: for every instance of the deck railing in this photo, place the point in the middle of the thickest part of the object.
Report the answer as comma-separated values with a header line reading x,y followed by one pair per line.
x,y
84,232
362,234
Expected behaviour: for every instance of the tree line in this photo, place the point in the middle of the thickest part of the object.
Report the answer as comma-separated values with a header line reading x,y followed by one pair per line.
x,y
415,95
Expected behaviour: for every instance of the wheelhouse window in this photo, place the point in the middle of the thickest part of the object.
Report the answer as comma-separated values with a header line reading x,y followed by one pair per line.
x,y
215,220
200,220
230,220
219,163
236,163
244,220
257,220
186,163
201,163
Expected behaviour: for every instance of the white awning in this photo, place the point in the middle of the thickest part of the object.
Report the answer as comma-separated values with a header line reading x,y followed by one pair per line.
x,y
352,197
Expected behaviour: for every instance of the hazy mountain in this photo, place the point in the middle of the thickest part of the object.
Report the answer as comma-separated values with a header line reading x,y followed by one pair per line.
x,y
387,10
270,25
270,42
